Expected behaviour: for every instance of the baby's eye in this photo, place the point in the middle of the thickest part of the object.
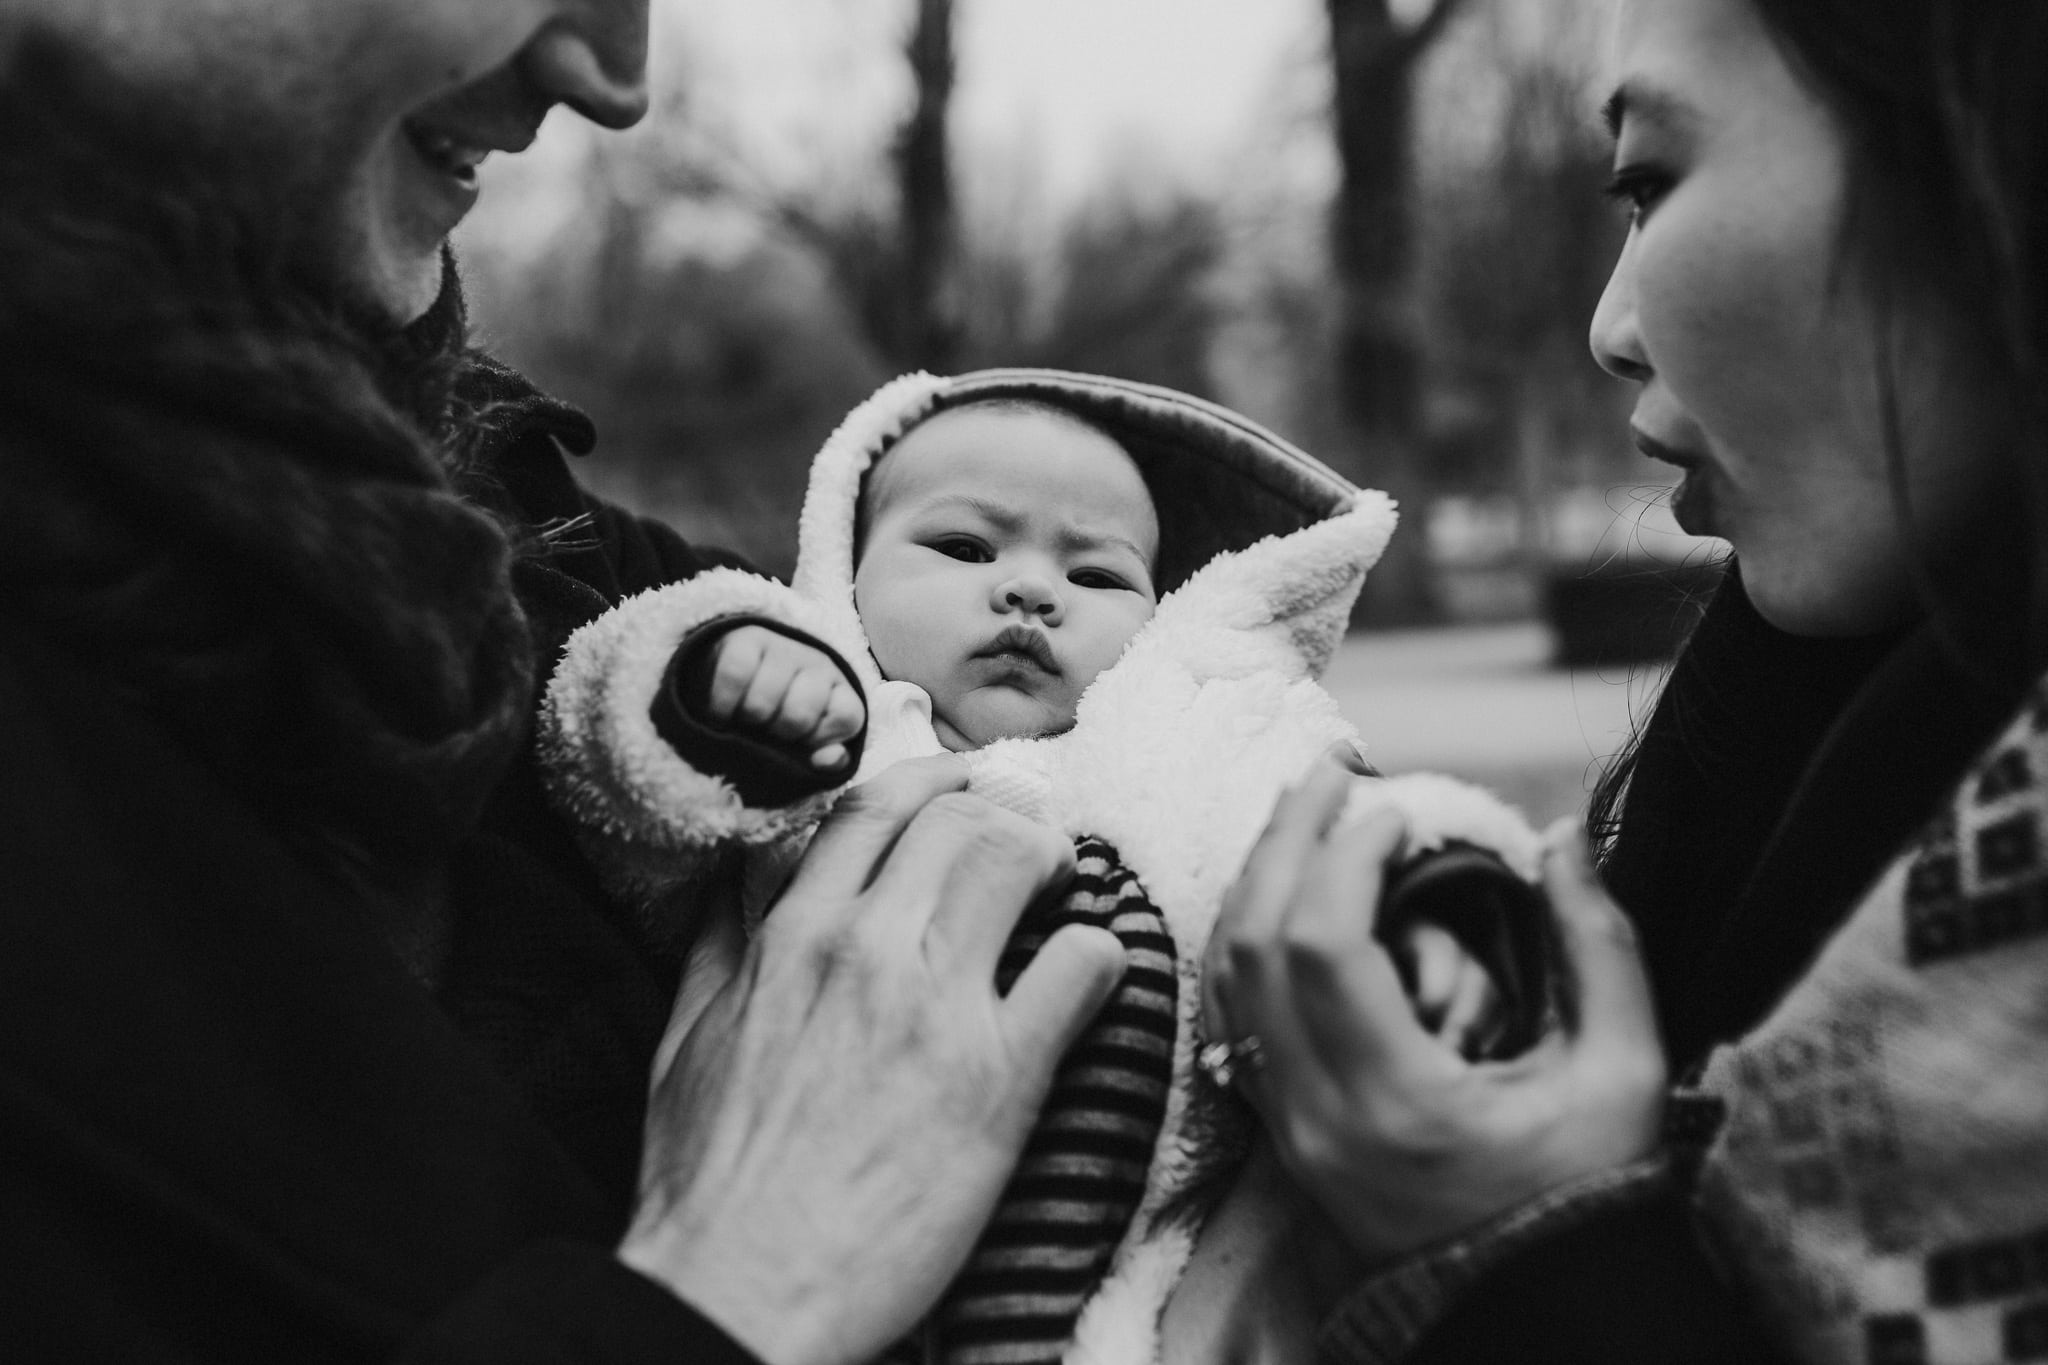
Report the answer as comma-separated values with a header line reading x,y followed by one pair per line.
x,y
1097,578
966,549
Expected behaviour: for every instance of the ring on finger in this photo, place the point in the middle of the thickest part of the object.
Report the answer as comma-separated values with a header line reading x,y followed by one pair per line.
x,y
1224,1062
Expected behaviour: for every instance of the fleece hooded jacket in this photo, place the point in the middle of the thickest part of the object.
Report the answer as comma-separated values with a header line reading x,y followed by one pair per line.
x,y
1178,751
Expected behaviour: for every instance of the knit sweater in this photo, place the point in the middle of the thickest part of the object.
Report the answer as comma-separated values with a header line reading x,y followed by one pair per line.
x,y
1803,821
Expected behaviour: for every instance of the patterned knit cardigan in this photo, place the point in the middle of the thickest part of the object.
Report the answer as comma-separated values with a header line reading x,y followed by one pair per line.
x,y
1880,1180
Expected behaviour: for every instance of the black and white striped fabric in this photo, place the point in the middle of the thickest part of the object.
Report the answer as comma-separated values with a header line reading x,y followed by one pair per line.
x,y
1079,1181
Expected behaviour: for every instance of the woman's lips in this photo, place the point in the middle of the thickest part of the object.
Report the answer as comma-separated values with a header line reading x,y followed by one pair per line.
x,y
1692,501
1662,453
439,180
446,153
449,146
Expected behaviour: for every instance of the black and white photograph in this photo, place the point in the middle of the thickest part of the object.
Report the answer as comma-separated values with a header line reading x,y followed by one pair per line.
x,y
1024,682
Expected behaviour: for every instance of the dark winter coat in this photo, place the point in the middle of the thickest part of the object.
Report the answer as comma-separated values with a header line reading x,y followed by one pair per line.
x,y
237,1126
318,1041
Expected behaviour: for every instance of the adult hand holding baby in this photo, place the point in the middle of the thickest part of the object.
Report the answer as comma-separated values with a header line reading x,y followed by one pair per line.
x,y
1401,1141
829,1133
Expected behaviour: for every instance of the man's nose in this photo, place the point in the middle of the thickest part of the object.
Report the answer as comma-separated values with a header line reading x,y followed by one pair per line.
x,y
1033,594
593,58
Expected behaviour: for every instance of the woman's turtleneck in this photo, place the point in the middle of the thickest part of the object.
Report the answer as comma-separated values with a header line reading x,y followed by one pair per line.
x,y
1776,779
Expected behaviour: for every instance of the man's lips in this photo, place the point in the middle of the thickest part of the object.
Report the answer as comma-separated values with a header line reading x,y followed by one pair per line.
x,y
1021,641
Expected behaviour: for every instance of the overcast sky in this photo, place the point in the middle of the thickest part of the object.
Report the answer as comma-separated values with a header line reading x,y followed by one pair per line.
x,y
1081,88
1076,90
1054,98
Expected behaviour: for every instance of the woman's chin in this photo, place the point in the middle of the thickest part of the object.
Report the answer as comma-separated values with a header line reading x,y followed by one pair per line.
x,y
1692,505
1839,607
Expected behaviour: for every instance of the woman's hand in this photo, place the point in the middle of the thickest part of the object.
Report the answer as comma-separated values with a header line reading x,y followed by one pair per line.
x,y
828,1134
1401,1141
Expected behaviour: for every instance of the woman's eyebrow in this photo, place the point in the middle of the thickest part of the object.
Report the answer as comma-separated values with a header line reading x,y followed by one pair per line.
x,y
1648,105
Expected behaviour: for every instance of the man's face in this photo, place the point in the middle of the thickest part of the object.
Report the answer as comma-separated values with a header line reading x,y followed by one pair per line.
x,y
365,119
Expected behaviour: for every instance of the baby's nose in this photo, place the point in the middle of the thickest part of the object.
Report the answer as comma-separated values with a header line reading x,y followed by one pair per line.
x,y
1032,594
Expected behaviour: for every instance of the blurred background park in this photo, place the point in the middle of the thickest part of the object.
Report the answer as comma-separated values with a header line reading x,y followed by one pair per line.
x,y
1375,226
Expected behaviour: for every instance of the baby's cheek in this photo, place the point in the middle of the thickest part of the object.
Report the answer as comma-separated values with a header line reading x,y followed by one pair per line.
x,y
895,645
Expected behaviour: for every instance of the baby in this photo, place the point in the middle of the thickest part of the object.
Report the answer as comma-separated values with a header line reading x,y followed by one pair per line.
x,y
1113,599
1004,558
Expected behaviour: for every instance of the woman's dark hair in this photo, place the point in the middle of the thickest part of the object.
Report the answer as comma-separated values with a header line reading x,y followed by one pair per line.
x,y
1945,110
1946,115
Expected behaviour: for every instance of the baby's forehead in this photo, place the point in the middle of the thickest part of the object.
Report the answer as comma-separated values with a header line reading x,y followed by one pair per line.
x,y
1025,451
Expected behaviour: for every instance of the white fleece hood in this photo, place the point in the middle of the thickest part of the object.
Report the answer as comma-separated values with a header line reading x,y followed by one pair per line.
x,y
1178,751
1259,542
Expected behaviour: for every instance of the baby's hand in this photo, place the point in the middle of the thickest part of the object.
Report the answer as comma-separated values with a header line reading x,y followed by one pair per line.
x,y
1456,998
785,690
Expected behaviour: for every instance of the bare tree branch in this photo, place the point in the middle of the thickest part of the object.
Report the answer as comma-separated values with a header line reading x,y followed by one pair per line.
x,y
925,182
1430,27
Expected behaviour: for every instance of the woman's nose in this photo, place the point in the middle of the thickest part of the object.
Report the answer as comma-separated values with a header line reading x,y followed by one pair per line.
x,y
1616,338
593,58
1033,594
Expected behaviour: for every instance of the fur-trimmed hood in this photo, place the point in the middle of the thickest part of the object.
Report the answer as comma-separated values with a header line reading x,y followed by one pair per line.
x,y
1262,552
1178,750
1221,484
1256,537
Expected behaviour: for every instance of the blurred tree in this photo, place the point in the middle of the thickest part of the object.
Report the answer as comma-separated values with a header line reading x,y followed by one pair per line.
x,y
924,173
1519,247
714,356
718,318
1128,295
1374,56
897,262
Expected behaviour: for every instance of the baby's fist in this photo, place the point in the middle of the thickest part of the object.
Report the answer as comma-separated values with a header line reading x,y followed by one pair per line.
x,y
1455,997
782,689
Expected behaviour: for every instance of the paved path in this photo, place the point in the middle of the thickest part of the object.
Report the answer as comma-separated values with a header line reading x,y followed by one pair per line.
x,y
1484,702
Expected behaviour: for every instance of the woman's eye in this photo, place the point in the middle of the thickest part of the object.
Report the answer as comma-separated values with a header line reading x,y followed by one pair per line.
x,y
963,548
1638,187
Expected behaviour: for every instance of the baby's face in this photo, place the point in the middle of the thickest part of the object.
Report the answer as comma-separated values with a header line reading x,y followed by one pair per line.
x,y
1007,562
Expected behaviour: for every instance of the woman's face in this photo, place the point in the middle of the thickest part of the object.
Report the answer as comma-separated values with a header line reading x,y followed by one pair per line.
x,y
365,119
1756,356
